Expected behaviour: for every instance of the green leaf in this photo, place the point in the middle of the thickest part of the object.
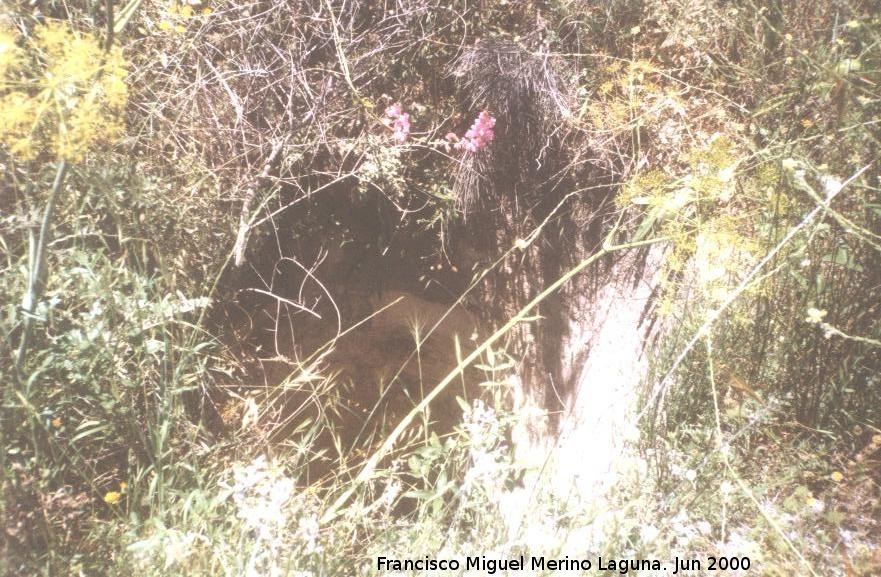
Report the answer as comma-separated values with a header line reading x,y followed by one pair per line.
x,y
843,257
87,429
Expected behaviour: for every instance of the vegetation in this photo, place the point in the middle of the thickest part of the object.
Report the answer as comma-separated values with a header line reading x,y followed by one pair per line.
x,y
202,199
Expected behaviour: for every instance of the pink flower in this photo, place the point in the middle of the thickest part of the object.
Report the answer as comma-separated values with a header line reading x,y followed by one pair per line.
x,y
401,125
479,135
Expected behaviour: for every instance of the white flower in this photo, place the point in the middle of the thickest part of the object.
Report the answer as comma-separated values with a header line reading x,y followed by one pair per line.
x,y
831,185
726,174
648,533
390,493
815,316
307,531
260,493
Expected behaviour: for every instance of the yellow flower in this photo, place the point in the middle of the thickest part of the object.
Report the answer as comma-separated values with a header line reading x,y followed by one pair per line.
x,y
123,486
9,52
816,505
112,497
180,29
72,99
17,114
836,476
207,11
165,25
53,37
77,63
56,422
186,11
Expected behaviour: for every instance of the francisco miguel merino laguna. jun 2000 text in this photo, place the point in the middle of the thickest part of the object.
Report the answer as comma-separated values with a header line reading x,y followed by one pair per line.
x,y
491,566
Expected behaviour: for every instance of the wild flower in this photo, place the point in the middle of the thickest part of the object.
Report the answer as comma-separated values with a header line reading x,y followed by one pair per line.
x,y
307,534
390,493
816,506
260,493
815,316
831,185
112,497
703,527
68,100
648,534
479,135
402,127
401,120
10,54
183,9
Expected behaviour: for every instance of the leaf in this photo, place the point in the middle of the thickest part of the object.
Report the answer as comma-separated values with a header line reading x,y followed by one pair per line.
x,y
89,428
843,257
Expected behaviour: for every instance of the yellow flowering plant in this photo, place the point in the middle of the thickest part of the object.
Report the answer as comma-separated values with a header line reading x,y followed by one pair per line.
x,y
61,92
